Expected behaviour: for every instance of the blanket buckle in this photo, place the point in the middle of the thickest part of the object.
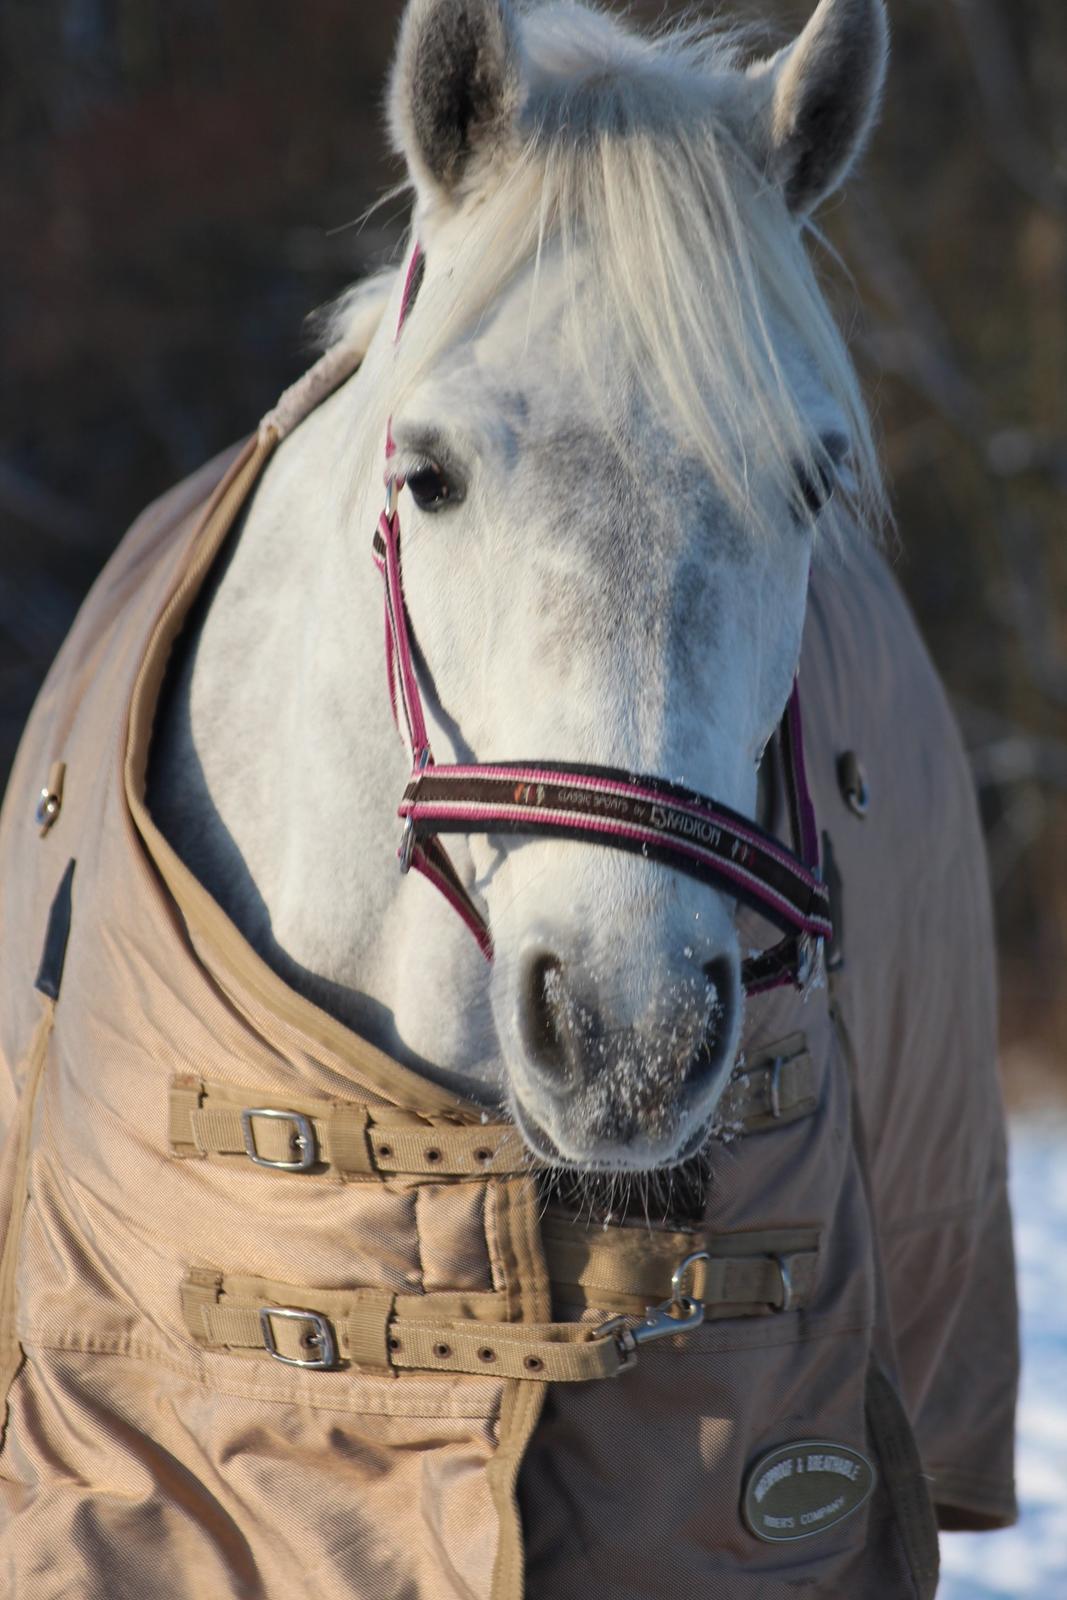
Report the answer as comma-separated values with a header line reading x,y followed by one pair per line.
x,y
301,1142
319,1337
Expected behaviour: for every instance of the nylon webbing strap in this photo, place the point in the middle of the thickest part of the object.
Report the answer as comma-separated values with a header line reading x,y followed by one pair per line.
x,y
348,1141
626,1269
377,1332
345,1141
775,1090
644,815
622,1270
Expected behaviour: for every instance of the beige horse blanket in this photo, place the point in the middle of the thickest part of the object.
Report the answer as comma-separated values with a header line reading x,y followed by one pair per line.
x,y
205,1179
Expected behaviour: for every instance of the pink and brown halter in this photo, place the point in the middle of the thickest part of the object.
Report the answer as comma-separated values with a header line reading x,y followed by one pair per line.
x,y
599,805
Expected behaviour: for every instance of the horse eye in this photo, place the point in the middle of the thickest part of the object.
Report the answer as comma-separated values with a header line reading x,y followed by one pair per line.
x,y
429,487
814,489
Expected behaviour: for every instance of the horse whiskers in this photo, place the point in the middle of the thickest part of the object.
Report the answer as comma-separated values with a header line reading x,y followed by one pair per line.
x,y
662,1197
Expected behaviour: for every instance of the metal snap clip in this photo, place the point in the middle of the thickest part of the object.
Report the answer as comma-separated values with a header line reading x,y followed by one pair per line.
x,y
678,1277
680,1314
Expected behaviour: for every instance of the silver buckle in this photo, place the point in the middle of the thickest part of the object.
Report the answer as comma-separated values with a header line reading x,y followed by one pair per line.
x,y
679,1314
302,1141
322,1337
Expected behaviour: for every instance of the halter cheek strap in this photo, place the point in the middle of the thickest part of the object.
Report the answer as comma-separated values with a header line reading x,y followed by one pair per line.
x,y
599,805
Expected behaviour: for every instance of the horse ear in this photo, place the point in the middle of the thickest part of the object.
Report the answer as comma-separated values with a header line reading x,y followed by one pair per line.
x,y
456,89
823,96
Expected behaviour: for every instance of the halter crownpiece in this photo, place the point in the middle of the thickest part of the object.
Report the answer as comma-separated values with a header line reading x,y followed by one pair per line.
x,y
599,805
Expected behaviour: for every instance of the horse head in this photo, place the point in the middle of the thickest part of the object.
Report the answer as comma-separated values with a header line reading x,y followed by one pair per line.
x,y
618,408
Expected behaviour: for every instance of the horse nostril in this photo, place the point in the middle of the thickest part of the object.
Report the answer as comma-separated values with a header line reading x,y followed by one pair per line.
x,y
543,1014
720,976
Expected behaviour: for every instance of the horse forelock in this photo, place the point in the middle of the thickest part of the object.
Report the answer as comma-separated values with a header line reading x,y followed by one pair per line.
x,y
632,168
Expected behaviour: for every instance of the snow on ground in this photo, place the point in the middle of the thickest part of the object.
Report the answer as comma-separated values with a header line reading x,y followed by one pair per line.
x,y
1031,1559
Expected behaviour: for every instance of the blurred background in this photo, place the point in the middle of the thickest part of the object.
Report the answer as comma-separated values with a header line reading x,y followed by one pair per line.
x,y
179,187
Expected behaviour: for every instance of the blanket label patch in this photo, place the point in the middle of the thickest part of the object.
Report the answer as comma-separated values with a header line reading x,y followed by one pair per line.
x,y
803,1488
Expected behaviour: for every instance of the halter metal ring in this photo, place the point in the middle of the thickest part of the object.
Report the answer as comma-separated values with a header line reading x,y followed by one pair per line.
x,y
810,954
407,839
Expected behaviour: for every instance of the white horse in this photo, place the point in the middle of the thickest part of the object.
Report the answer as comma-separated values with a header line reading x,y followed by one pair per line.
x,y
618,404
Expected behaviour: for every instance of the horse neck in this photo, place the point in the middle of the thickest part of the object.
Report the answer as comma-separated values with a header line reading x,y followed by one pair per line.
x,y
277,769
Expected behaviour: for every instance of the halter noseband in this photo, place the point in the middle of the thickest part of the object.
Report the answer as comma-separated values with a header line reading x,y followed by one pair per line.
x,y
599,805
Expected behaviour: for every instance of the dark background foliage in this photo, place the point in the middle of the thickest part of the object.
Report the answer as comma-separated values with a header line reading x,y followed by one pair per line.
x,y
178,187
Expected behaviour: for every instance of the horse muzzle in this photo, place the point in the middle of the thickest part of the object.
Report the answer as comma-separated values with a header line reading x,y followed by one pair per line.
x,y
614,1069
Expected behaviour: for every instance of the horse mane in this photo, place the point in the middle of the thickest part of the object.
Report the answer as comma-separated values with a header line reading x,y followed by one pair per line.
x,y
635,144
352,319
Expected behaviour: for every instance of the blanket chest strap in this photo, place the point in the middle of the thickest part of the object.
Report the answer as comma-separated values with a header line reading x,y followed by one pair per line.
x,y
378,1332
349,1141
